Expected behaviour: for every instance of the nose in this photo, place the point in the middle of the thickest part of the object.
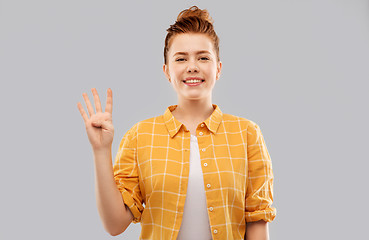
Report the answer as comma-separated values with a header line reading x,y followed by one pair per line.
x,y
192,66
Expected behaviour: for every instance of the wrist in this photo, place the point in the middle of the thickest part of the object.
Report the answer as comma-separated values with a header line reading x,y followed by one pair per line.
x,y
101,150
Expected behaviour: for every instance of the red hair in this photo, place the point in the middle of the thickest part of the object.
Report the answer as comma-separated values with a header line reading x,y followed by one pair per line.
x,y
192,20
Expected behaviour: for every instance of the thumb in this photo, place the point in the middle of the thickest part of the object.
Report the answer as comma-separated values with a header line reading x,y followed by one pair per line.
x,y
102,124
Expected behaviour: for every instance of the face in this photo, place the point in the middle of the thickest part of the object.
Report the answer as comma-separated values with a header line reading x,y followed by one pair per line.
x,y
192,55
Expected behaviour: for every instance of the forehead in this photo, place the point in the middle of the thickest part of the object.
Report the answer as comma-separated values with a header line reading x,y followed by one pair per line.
x,y
190,43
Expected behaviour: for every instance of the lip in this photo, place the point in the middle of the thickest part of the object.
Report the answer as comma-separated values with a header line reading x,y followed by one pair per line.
x,y
193,84
193,78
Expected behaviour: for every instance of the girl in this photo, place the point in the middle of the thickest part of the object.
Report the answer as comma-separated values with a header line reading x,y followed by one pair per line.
x,y
193,172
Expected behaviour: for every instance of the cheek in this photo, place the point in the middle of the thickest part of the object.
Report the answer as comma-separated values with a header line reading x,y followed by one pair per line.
x,y
177,72
211,71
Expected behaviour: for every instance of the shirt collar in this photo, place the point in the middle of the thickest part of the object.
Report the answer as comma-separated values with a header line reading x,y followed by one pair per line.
x,y
173,125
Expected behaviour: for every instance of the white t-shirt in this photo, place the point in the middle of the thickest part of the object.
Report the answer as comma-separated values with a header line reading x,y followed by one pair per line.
x,y
195,222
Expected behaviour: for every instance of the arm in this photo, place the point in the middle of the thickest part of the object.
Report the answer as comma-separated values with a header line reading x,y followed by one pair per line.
x,y
126,174
115,216
257,230
259,195
100,132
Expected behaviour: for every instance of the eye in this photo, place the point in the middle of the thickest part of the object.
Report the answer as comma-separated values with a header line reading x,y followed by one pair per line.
x,y
179,59
204,58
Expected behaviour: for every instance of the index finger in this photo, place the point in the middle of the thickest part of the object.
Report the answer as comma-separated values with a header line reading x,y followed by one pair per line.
x,y
109,101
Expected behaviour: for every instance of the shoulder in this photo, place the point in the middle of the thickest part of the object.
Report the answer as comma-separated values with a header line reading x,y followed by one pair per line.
x,y
230,120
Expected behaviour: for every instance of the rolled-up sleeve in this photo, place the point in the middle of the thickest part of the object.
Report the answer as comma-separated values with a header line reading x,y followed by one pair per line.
x,y
259,194
126,173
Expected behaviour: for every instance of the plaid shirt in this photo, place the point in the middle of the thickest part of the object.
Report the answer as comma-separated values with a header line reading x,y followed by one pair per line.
x,y
152,166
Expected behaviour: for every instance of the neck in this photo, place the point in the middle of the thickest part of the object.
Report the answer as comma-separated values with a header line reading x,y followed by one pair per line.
x,y
193,110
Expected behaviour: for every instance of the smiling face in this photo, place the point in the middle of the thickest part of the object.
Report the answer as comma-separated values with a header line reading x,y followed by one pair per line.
x,y
192,55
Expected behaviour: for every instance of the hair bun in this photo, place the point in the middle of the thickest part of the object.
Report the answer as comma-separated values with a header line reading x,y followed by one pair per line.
x,y
194,11
192,20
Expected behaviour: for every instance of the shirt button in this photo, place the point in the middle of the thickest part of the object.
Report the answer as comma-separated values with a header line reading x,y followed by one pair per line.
x,y
215,231
203,149
200,133
208,185
205,164
211,209
202,125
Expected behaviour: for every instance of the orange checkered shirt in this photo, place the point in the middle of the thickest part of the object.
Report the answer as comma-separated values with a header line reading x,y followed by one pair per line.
x,y
151,171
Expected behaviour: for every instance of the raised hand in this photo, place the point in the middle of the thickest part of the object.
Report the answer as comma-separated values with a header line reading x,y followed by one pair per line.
x,y
99,126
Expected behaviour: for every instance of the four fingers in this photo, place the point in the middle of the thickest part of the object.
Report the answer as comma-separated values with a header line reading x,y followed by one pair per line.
x,y
108,108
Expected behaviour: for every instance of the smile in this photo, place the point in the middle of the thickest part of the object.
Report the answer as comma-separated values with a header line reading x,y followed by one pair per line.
x,y
193,82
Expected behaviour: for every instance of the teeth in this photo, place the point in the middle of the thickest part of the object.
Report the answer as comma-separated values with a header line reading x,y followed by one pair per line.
x,y
193,81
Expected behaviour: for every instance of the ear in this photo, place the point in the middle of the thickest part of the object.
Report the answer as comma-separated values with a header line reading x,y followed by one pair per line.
x,y
166,71
219,69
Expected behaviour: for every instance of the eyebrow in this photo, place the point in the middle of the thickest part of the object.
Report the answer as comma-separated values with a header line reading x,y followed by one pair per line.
x,y
186,53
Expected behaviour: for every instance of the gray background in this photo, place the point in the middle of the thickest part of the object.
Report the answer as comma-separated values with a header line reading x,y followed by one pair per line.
x,y
297,68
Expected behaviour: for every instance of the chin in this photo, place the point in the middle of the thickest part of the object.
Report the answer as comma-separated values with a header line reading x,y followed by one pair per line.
x,y
194,97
